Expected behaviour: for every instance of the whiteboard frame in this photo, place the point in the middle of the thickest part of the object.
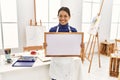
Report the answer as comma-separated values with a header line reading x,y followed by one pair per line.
x,y
47,54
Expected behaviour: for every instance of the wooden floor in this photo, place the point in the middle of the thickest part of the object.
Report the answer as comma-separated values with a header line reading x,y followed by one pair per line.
x,y
96,73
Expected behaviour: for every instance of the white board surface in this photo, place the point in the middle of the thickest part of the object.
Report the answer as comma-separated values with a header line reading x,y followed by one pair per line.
x,y
63,44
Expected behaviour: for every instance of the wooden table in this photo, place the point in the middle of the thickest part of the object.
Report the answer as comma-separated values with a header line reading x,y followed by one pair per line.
x,y
39,70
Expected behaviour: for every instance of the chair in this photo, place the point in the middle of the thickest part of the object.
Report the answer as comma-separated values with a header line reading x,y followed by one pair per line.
x,y
29,48
117,45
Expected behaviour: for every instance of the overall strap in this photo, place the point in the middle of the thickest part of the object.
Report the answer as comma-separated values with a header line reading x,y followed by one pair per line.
x,y
68,29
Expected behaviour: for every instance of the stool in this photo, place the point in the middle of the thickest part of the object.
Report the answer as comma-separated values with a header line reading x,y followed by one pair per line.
x,y
114,65
107,48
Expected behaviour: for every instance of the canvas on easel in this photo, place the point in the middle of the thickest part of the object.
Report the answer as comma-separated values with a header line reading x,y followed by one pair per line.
x,y
94,25
94,38
35,35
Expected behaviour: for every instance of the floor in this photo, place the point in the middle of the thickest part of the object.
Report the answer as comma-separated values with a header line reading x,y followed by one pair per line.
x,y
97,73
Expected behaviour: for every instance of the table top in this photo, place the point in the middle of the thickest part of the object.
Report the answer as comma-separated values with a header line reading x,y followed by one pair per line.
x,y
6,67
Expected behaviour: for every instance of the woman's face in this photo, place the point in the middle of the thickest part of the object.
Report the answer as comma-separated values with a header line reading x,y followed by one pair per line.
x,y
63,17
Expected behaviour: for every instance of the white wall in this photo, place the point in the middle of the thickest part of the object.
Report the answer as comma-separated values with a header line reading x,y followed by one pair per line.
x,y
26,12
105,24
76,12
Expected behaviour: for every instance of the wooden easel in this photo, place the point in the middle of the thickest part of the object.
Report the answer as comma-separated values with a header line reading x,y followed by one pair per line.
x,y
34,22
91,44
93,39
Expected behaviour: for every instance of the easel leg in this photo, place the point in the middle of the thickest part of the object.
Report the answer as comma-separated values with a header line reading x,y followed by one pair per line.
x,y
98,51
90,49
87,44
91,45
92,54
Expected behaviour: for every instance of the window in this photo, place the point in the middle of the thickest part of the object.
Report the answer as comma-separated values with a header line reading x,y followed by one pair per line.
x,y
90,10
46,11
115,24
8,24
0,37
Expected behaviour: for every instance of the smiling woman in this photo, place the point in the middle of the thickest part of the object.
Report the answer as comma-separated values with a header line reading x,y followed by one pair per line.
x,y
63,65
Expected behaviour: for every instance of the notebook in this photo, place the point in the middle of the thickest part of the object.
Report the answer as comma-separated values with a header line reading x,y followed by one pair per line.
x,y
44,59
24,61
27,58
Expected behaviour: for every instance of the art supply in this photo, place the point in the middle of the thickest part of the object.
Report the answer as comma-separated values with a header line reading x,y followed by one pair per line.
x,y
33,52
7,55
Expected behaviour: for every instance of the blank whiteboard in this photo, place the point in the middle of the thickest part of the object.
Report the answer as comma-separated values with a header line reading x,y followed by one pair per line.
x,y
63,44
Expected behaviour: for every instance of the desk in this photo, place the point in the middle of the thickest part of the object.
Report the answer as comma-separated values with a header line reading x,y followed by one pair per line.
x,y
39,71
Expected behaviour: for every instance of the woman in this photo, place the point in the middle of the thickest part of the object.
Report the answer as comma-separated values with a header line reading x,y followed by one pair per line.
x,y
63,26
60,67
